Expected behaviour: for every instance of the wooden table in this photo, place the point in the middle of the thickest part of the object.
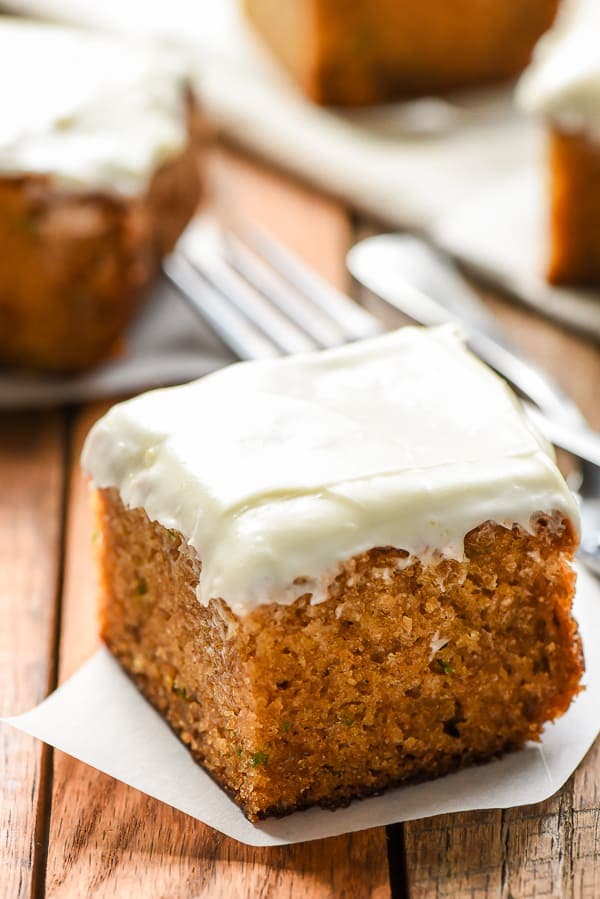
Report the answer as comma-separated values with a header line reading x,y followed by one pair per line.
x,y
68,831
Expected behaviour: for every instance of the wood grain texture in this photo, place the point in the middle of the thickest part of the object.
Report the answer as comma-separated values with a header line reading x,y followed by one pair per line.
x,y
585,848
538,842
455,856
31,495
117,842
108,840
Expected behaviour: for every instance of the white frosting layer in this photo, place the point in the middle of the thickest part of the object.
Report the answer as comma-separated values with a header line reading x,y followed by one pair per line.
x,y
95,112
563,81
282,469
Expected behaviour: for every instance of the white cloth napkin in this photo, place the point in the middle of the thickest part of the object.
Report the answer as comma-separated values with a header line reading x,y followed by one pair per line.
x,y
467,173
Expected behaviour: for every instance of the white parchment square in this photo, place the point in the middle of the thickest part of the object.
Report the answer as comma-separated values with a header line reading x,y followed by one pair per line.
x,y
98,716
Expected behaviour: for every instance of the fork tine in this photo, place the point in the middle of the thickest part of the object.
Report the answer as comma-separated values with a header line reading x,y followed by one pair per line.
x,y
356,323
263,278
203,248
233,328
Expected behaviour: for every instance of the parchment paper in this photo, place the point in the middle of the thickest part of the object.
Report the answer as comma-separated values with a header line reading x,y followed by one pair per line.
x,y
98,716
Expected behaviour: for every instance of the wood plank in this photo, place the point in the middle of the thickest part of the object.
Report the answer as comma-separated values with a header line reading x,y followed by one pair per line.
x,y
538,840
585,845
108,840
31,480
455,856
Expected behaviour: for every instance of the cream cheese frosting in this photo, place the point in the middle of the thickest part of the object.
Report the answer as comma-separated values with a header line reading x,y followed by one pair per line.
x,y
563,81
282,469
93,111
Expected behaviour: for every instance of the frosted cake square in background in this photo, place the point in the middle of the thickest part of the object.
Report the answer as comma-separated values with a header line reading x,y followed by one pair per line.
x,y
563,86
99,175
369,51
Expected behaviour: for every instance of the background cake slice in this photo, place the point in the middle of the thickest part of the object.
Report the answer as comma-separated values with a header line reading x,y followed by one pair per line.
x,y
99,175
373,50
333,573
563,86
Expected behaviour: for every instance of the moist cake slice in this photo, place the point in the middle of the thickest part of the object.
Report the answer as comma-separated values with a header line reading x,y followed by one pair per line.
x,y
99,175
369,51
563,86
336,572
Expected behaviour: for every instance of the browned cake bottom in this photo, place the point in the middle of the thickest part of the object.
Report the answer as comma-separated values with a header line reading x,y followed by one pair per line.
x,y
404,672
575,209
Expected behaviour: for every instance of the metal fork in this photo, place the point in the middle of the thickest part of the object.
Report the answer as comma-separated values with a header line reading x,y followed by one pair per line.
x,y
263,302
258,297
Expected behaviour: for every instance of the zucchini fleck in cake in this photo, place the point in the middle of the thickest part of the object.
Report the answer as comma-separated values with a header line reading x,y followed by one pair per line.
x,y
563,86
336,572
